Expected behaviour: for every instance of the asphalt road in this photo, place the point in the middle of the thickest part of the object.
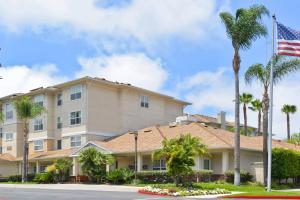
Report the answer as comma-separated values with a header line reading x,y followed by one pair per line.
x,y
50,194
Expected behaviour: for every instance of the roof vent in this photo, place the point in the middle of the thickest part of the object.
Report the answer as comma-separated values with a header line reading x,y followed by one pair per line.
x,y
186,119
147,130
172,124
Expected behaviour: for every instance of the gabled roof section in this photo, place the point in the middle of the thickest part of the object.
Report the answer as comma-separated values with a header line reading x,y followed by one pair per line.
x,y
7,157
96,144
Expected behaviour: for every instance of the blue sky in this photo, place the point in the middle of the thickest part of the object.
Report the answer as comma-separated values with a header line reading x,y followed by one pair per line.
x,y
178,47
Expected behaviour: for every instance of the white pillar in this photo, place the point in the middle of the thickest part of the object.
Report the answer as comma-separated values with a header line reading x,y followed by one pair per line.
x,y
107,167
225,161
37,170
75,167
20,167
139,162
197,163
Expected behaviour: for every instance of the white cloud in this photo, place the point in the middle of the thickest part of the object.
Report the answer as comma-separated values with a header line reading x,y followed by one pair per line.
x,y
138,19
21,78
137,69
215,90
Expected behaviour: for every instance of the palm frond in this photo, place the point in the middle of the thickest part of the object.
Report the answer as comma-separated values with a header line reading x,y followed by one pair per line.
x,y
255,72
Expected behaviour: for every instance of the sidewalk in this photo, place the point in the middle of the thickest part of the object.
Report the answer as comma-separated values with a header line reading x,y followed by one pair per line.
x,y
86,187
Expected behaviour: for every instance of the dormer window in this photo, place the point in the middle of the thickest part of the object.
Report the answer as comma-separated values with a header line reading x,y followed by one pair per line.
x,y
39,100
144,101
75,92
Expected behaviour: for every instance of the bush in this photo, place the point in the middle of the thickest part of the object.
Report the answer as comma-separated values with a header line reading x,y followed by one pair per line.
x,y
18,178
245,176
154,177
119,176
46,177
63,167
203,175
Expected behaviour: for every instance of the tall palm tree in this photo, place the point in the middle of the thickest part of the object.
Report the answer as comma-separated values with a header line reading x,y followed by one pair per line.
x,y
288,109
245,99
26,110
242,29
282,67
256,106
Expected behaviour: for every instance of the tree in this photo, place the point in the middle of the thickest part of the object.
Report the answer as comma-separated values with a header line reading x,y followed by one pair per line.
x,y
242,29
282,67
63,167
295,139
257,107
180,154
26,110
288,109
93,163
245,99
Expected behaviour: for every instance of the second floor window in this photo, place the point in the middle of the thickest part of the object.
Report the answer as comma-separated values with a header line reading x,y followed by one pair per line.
x,y
38,145
1,133
75,118
75,92
144,100
59,123
9,114
75,141
39,100
59,99
9,136
38,125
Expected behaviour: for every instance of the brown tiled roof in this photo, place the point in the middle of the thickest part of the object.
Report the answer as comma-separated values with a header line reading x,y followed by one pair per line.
x,y
7,157
49,154
150,139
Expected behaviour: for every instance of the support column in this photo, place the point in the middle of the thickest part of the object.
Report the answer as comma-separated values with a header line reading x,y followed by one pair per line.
x,y
37,170
225,161
107,167
75,167
139,162
197,163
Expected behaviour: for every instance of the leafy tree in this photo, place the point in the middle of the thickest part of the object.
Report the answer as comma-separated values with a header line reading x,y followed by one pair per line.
x,y
26,110
179,154
93,163
63,167
282,67
245,99
243,29
295,139
288,109
256,106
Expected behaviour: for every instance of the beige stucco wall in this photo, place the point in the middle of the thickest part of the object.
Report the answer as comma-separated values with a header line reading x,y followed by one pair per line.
x,y
8,168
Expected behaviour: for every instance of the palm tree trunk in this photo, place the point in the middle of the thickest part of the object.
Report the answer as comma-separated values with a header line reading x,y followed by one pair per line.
x,y
259,122
236,67
265,111
25,152
288,126
245,119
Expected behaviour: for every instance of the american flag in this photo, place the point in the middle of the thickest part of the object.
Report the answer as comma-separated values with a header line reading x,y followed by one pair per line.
x,y
288,41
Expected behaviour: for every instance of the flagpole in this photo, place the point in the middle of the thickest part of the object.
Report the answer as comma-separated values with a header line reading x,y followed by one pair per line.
x,y
271,109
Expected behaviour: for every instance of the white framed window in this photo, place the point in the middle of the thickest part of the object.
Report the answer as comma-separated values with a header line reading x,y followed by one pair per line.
x,y
38,124
144,101
159,164
207,164
75,118
75,140
75,92
59,123
9,113
38,145
9,136
39,100
1,132
59,99
0,149
58,145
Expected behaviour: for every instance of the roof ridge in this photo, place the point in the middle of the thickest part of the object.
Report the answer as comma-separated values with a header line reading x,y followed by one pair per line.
x,y
214,134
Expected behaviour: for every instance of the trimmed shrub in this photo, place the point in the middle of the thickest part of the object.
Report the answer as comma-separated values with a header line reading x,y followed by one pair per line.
x,y
18,178
46,177
119,176
203,175
154,177
245,176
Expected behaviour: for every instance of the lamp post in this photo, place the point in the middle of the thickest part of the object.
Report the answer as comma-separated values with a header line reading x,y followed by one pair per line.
x,y
135,133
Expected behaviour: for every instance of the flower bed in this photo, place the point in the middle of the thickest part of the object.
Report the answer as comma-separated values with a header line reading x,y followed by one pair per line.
x,y
181,192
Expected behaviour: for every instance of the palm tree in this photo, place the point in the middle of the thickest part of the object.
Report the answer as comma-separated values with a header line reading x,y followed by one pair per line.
x,y
242,29
26,110
257,107
282,67
245,99
288,109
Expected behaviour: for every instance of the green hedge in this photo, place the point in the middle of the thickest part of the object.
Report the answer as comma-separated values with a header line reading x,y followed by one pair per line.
x,y
46,177
285,164
245,176
18,178
120,176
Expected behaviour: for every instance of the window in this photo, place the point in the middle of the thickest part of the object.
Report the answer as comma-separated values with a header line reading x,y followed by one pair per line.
x,y
75,92
75,141
75,118
9,114
144,101
39,100
9,136
59,99
38,145
206,164
1,132
0,149
38,125
159,164
8,148
58,144
59,123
